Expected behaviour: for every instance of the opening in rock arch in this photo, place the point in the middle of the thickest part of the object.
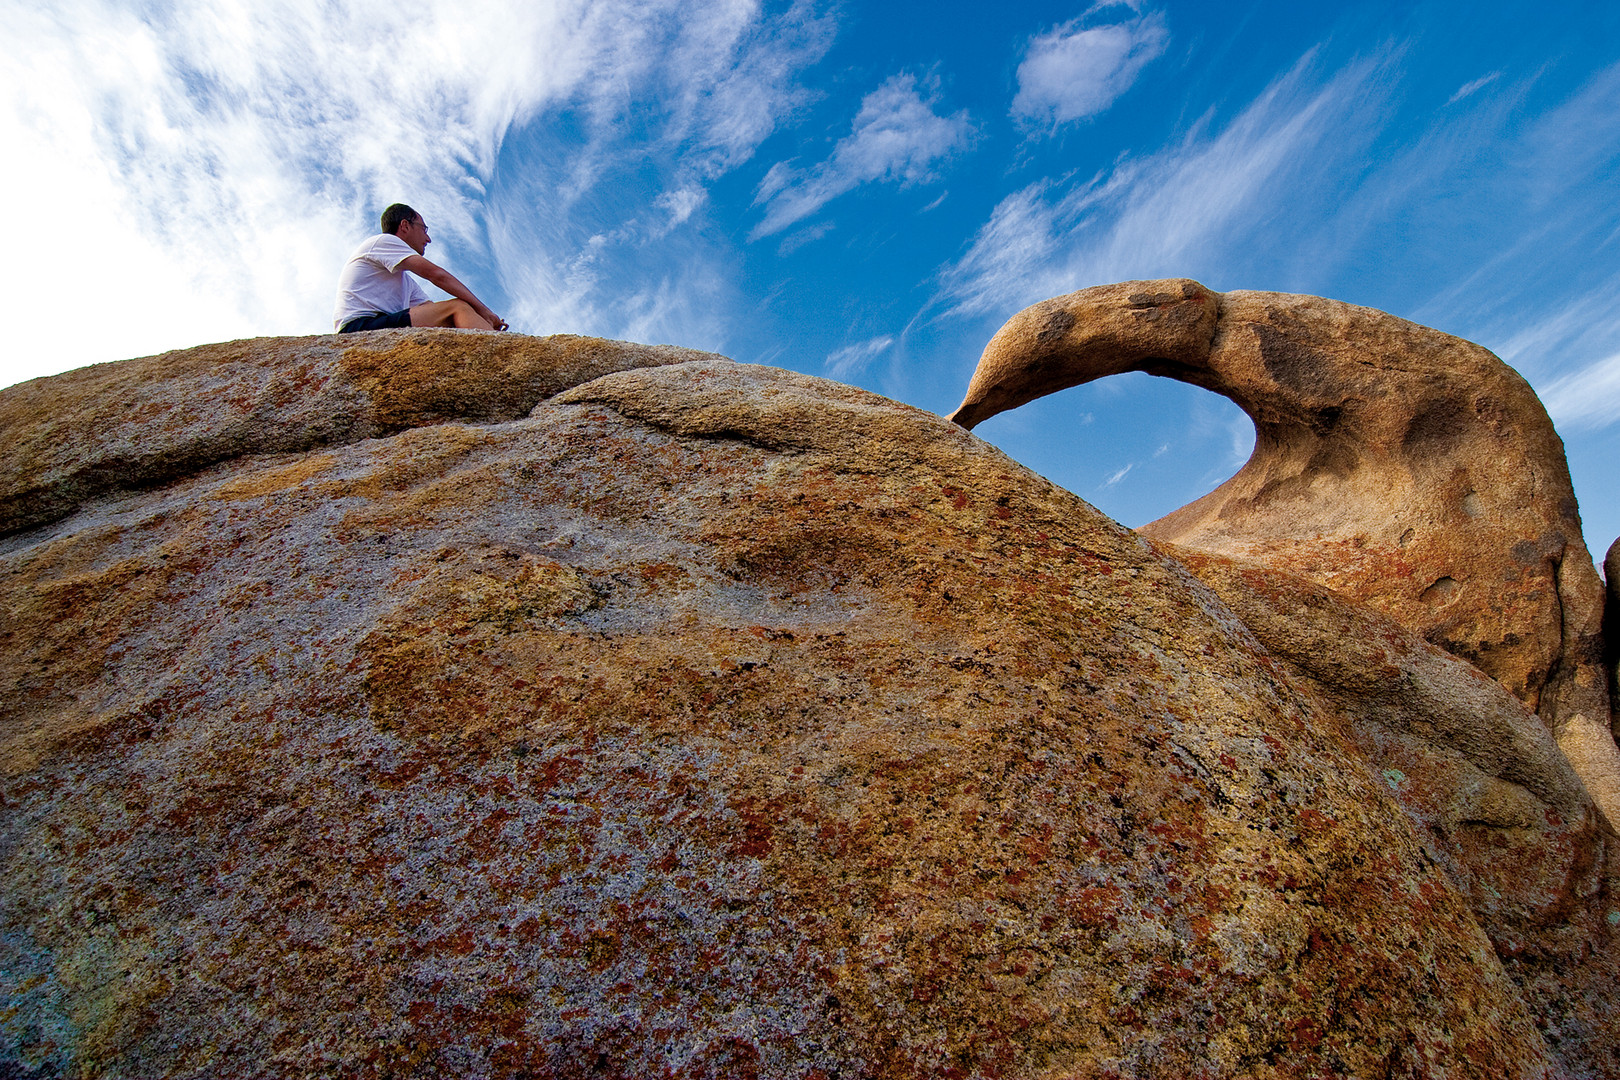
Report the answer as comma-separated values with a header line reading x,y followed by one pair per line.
x,y
1135,446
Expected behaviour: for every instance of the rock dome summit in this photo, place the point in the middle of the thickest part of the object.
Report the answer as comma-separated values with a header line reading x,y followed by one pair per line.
x,y
432,703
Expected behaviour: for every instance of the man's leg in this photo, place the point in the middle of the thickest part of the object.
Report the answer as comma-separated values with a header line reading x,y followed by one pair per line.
x,y
456,313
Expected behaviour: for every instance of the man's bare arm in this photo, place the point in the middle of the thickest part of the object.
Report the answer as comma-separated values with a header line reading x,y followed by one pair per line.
x,y
444,279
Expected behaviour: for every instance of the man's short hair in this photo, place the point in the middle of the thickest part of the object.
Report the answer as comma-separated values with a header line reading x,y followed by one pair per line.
x,y
397,215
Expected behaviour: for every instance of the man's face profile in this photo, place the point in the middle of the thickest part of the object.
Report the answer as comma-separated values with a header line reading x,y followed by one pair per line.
x,y
415,233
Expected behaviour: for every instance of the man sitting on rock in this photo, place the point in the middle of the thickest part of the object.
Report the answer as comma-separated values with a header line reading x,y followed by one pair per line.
x,y
375,291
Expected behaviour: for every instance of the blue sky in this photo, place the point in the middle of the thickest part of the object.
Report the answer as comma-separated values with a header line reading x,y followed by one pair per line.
x,y
859,190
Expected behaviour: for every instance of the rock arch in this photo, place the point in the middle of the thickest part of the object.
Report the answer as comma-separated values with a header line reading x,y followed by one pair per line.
x,y
1401,466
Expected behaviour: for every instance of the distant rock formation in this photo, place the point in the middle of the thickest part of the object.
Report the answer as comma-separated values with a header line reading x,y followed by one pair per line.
x,y
707,720
1398,465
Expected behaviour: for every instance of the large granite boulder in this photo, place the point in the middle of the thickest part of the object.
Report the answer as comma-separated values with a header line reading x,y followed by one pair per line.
x,y
1398,465
707,720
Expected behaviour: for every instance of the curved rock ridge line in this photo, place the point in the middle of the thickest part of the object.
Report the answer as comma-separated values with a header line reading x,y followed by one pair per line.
x,y
717,721
137,423
1398,465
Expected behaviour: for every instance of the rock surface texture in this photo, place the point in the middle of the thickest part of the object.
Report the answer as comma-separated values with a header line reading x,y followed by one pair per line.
x,y
706,720
1611,624
1400,466
144,422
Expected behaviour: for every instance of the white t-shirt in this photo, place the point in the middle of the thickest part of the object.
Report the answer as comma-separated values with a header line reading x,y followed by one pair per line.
x,y
370,284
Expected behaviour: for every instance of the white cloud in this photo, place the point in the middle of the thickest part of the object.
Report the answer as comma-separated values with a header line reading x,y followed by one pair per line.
x,y
896,137
680,204
1070,73
743,85
777,178
203,166
1478,84
1575,146
1540,342
851,359
800,237
1586,399
1240,440
1536,190
1167,214
1117,477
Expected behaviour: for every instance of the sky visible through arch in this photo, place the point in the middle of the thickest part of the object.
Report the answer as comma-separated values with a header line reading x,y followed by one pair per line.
x,y
863,191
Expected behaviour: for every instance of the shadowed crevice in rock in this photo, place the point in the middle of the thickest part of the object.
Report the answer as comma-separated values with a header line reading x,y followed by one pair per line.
x,y
141,423
1399,465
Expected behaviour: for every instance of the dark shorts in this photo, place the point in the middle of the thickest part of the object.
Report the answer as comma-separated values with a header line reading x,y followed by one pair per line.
x,y
377,322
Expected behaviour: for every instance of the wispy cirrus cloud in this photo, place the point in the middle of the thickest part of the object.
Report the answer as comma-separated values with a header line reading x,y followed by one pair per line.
x,y
599,256
1541,342
1586,399
1551,195
852,359
1170,213
231,153
1074,71
1577,144
1117,476
1571,355
1468,89
896,136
